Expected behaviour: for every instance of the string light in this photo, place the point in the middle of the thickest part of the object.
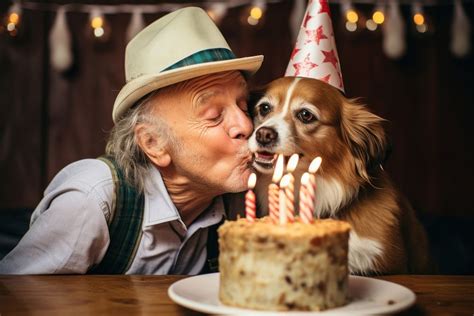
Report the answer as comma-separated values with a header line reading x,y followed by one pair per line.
x,y
351,27
371,25
98,24
13,20
351,15
378,16
418,17
256,12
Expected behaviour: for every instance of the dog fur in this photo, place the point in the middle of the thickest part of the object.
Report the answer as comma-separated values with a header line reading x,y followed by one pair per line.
x,y
313,119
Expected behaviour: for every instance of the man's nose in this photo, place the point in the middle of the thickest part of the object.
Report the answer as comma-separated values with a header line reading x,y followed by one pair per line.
x,y
266,135
242,126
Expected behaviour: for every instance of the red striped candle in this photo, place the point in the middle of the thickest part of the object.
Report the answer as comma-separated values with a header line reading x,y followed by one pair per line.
x,y
283,197
273,191
250,200
313,167
306,199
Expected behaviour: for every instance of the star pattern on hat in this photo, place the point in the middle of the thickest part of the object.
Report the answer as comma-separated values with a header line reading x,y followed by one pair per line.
x,y
305,66
315,53
326,78
294,52
306,19
330,57
315,35
324,7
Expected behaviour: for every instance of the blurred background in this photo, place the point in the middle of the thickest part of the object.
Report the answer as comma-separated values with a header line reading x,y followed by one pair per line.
x,y
411,62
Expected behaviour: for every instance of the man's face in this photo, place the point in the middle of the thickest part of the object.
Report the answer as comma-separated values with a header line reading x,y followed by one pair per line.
x,y
209,118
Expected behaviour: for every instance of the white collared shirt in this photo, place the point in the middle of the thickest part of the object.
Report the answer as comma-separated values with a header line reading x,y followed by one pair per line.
x,y
69,233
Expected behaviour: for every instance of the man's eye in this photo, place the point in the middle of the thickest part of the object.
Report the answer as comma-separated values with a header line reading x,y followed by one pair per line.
x,y
264,109
216,118
306,116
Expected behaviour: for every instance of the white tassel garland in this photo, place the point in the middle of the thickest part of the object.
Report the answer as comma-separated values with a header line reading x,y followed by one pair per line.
x,y
394,44
137,23
296,18
460,32
60,43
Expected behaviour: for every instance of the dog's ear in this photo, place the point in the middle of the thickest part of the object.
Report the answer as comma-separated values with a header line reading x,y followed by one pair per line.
x,y
364,133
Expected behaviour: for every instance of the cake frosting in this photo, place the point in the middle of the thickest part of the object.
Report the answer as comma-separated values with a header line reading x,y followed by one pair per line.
x,y
296,266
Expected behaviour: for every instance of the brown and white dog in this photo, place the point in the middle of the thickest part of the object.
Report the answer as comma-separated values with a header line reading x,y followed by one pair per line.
x,y
311,118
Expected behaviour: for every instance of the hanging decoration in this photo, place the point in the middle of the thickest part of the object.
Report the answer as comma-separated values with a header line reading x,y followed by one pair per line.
x,y
351,15
14,18
217,11
460,32
97,22
137,23
394,32
297,14
419,17
385,12
60,43
256,11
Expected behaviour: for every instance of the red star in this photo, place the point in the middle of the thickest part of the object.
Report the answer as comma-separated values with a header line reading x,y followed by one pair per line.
x,y
326,79
295,51
330,57
306,19
316,35
306,66
324,7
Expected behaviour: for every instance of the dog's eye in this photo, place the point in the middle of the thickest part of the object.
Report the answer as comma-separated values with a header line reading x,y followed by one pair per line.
x,y
306,116
264,109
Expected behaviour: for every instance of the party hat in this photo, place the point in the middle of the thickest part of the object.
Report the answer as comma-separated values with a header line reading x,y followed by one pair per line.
x,y
315,54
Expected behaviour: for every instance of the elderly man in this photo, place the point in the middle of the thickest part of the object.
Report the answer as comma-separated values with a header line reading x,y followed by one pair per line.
x,y
179,143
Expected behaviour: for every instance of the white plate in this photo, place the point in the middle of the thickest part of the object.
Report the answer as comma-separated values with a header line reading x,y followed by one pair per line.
x,y
369,296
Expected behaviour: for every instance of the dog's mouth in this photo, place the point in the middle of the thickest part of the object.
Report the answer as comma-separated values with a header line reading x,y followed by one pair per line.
x,y
265,159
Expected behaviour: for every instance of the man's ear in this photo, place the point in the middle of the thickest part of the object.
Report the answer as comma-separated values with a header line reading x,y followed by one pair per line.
x,y
152,145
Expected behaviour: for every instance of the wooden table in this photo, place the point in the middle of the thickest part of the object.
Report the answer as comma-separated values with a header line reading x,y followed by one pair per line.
x,y
99,295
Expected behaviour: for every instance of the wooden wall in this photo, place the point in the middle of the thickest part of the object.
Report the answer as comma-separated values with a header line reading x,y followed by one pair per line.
x,y
48,120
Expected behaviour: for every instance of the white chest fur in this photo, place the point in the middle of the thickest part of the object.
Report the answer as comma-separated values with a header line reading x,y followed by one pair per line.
x,y
363,253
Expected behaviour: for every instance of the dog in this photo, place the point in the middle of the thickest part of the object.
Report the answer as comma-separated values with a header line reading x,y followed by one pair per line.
x,y
311,118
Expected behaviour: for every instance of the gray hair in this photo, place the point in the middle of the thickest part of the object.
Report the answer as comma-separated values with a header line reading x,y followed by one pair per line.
x,y
123,147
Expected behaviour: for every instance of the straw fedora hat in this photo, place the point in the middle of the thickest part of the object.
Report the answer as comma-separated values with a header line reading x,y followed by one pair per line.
x,y
182,45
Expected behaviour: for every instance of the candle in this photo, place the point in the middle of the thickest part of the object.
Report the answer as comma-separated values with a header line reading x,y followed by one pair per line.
x,y
273,192
283,203
290,189
306,199
250,205
313,167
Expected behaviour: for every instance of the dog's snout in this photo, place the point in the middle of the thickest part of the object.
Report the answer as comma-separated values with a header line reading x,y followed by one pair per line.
x,y
266,135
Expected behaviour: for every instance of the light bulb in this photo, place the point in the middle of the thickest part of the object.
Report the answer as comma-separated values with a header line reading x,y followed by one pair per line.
x,y
378,17
352,16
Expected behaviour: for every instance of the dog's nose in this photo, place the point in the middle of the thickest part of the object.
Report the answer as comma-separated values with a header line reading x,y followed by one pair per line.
x,y
266,135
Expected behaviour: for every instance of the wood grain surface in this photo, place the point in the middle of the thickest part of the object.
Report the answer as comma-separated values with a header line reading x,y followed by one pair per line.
x,y
147,295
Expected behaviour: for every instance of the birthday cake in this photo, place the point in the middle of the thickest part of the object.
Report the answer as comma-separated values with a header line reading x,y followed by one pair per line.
x,y
296,266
